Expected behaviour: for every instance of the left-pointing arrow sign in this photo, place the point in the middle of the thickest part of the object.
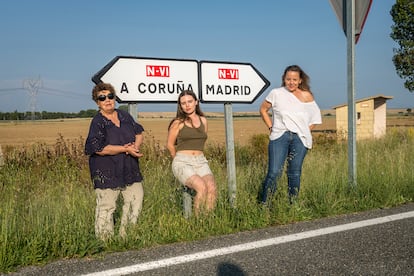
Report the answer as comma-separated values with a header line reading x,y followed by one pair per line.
x,y
138,79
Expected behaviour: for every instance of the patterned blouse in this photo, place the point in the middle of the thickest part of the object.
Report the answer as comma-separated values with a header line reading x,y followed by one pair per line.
x,y
112,171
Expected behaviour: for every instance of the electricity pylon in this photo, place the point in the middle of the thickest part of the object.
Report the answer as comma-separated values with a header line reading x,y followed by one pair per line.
x,y
33,87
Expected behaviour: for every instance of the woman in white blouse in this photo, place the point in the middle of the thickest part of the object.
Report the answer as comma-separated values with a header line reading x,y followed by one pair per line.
x,y
294,114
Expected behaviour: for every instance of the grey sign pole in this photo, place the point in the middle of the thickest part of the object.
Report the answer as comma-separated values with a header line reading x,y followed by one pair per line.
x,y
351,15
231,162
350,30
133,110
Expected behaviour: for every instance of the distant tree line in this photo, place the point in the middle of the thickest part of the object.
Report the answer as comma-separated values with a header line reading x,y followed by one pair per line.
x,y
45,115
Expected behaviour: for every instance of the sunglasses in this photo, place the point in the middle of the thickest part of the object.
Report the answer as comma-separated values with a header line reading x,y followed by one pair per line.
x,y
102,98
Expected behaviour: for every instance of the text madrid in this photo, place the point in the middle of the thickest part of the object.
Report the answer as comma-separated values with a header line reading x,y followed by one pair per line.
x,y
177,88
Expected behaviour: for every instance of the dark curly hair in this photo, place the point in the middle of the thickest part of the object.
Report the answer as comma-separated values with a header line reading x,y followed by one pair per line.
x,y
100,87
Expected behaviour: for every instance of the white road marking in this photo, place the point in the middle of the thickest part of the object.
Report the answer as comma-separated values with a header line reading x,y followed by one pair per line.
x,y
248,246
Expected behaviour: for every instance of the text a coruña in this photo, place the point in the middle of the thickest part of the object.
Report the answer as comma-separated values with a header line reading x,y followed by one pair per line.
x,y
177,88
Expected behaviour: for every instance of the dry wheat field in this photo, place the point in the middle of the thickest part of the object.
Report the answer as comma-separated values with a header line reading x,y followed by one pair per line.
x,y
28,132
17,133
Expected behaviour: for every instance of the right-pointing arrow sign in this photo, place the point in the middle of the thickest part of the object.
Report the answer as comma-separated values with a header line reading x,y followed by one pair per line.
x,y
230,82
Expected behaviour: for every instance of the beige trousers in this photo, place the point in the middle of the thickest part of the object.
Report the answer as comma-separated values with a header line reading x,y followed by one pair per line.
x,y
133,196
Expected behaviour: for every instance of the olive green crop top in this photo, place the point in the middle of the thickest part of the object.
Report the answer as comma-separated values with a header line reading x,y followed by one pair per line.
x,y
190,138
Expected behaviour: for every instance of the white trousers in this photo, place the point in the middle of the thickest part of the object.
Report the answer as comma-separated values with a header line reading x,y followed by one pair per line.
x,y
133,196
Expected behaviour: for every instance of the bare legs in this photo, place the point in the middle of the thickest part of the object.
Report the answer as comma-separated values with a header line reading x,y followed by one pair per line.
x,y
206,193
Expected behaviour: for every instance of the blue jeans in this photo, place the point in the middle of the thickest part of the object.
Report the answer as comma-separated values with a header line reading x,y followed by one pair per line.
x,y
288,148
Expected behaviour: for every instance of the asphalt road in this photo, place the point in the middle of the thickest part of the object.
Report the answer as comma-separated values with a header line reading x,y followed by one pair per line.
x,y
379,242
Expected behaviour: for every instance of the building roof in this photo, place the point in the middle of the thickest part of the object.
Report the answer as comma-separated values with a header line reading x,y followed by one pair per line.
x,y
379,96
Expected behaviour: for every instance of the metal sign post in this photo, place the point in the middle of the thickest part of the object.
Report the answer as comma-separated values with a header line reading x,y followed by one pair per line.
x,y
225,82
230,157
351,16
350,29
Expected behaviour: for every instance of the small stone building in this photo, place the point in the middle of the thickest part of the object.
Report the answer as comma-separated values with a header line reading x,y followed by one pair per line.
x,y
371,118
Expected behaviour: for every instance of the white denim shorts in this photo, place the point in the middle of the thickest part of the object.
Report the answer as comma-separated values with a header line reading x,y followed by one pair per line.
x,y
184,166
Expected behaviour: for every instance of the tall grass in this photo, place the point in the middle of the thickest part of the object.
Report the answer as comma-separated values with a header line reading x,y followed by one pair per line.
x,y
48,203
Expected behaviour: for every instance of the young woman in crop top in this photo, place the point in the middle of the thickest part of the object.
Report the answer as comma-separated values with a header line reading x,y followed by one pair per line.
x,y
187,134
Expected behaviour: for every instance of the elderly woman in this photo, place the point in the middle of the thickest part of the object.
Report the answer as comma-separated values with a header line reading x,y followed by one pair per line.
x,y
113,145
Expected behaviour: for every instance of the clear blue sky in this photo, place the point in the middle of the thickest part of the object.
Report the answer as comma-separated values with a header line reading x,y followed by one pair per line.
x,y
64,43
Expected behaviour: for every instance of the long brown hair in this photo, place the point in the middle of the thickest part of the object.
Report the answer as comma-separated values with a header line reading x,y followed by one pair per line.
x,y
304,85
180,114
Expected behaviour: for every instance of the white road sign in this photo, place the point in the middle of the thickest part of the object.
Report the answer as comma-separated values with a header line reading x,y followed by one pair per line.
x,y
138,79
230,82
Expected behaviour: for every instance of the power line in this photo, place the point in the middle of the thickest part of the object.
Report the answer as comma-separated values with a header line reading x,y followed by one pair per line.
x,y
62,92
59,92
10,89
35,87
